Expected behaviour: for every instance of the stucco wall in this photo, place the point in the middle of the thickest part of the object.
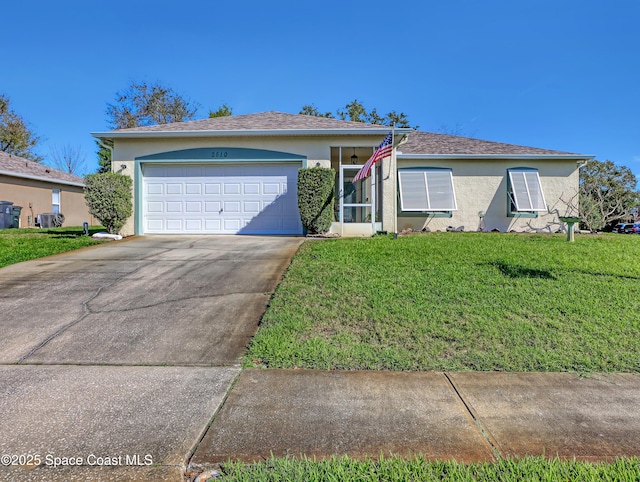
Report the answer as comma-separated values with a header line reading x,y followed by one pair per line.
x,y
316,149
35,197
481,185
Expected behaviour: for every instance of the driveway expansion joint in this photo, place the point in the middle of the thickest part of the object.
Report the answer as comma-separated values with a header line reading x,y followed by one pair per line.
x,y
482,430
197,468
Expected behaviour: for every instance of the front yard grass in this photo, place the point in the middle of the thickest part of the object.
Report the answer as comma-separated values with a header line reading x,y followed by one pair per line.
x,y
398,469
17,245
457,301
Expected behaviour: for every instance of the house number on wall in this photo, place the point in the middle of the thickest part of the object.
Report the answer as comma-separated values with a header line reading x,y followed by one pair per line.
x,y
219,154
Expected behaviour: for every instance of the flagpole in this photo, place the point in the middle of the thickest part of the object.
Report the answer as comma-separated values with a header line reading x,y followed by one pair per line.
x,y
395,180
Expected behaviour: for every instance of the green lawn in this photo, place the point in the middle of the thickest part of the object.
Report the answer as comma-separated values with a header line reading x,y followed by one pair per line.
x,y
18,245
457,301
343,469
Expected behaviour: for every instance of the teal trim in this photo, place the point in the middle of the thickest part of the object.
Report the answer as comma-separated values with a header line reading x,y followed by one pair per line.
x,y
425,214
423,168
522,214
223,154
138,225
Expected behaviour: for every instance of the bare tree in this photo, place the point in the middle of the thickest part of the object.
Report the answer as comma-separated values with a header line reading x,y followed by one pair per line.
x,y
456,130
68,158
143,104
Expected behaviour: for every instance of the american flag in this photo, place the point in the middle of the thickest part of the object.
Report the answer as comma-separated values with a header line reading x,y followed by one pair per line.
x,y
383,150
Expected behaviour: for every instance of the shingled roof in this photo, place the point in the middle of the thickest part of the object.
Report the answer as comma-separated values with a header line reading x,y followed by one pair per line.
x,y
255,122
444,144
279,123
11,165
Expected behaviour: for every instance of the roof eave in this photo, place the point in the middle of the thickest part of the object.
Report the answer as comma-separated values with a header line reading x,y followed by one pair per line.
x,y
42,179
576,157
382,130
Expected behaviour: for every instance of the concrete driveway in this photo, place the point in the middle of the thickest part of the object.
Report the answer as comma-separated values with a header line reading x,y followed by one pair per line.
x,y
121,354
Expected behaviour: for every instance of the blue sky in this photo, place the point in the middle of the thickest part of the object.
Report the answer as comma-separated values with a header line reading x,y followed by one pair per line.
x,y
560,74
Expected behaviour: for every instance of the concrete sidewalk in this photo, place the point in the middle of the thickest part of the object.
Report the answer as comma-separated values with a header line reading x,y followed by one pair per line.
x,y
466,416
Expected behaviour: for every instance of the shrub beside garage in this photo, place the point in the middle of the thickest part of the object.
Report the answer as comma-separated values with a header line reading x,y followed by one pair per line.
x,y
315,198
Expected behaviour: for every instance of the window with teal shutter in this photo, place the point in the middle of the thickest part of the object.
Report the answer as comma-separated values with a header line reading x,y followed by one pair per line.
x,y
525,194
426,190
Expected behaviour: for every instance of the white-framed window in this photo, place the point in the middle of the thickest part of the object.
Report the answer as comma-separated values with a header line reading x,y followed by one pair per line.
x,y
525,191
426,189
55,201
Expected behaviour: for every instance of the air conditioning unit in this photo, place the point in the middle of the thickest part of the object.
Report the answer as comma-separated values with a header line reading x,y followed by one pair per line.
x,y
51,220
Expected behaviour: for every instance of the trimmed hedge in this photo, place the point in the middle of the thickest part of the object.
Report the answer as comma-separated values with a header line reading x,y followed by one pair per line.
x,y
315,198
108,196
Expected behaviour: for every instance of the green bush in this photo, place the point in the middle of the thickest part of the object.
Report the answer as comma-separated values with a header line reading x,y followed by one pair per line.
x,y
315,196
108,196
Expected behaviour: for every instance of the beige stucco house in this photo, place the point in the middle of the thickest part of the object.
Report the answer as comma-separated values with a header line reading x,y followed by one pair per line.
x,y
238,174
40,189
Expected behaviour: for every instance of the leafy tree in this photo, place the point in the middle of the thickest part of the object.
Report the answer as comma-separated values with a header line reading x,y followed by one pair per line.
x,y
142,104
223,111
355,111
312,110
104,155
607,194
108,196
68,158
15,135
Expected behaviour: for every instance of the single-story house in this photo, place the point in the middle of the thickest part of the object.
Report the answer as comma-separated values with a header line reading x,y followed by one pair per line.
x,y
238,174
41,189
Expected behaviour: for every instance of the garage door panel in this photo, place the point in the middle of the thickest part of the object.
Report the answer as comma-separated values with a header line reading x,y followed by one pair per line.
x,y
174,225
193,225
212,207
191,188
193,207
271,188
231,225
232,188
232,207
155,207
251,188
212,188
242,198
213,225
155,188
173,207
154,225
252,207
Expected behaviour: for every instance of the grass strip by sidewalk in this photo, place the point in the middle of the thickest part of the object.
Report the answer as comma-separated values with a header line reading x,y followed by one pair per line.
x,y
457,301
17,245
391,469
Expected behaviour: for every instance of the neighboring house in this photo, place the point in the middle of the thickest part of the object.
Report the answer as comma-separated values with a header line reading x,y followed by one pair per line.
x,y
238,174
41,189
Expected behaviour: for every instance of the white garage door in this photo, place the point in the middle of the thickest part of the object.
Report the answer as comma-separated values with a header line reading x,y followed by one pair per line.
x,y
221,199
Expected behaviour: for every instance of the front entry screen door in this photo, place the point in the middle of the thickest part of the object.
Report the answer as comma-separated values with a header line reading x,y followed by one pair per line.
x,y
357,200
